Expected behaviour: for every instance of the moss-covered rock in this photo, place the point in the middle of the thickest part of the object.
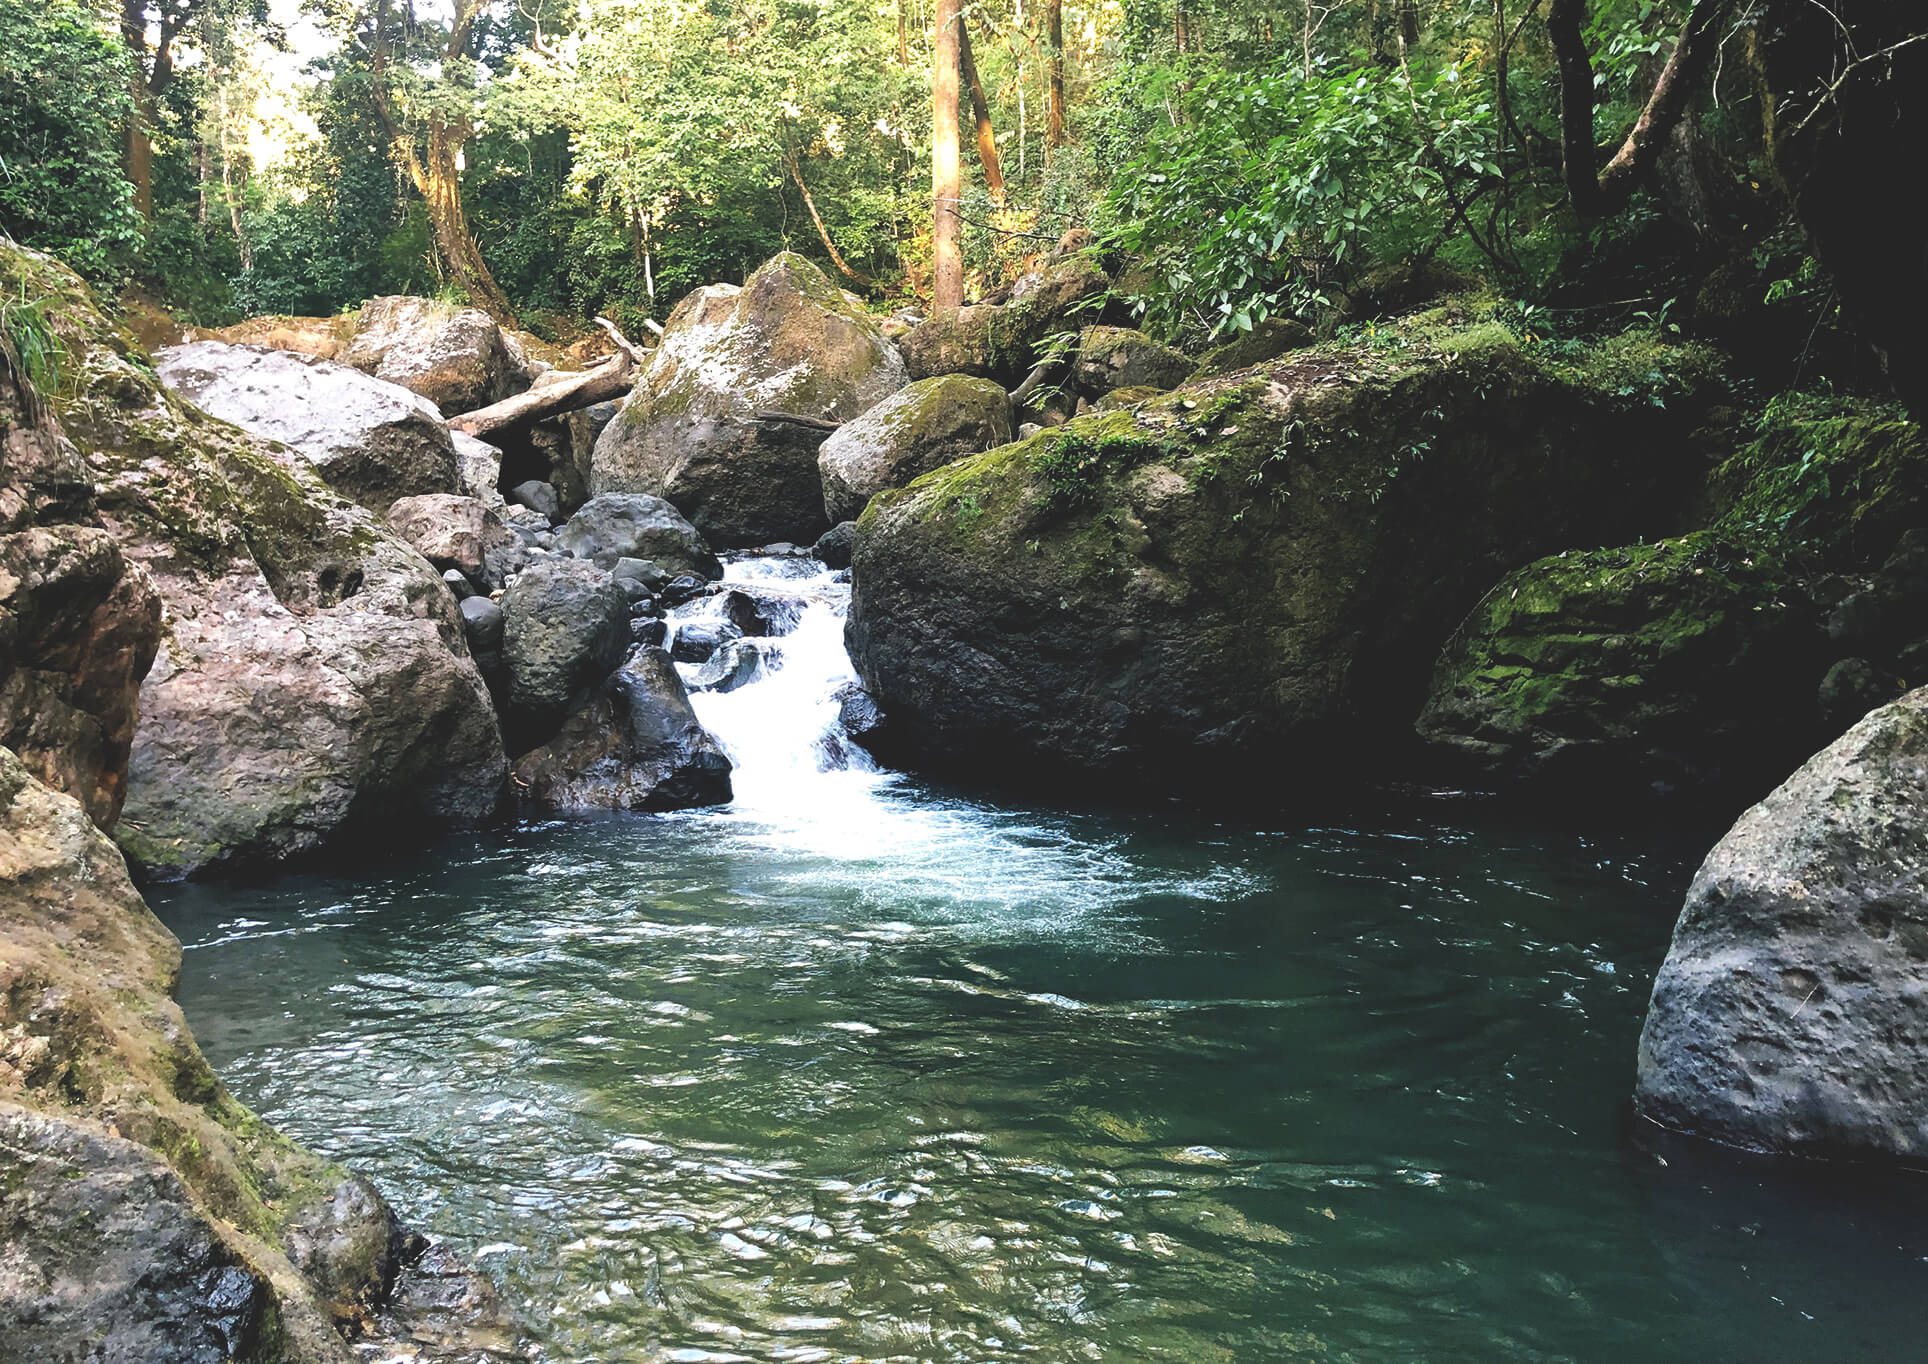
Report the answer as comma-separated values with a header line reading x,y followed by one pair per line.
x,y
1111,358
312,675
1688,663
789,342
915,430
1268,341
1258,569
1000,340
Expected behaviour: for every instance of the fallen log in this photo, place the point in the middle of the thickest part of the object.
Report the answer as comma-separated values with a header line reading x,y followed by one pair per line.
x,y
795,419
613,378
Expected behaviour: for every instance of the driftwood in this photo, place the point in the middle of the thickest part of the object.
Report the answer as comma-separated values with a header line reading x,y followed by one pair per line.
x,y
797,419
611,379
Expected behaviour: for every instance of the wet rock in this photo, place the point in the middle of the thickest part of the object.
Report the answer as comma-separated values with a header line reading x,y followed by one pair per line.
x,y
789,342
833,547
908,434
736,663
459,585
483,623
755,613
1787,1015
637,526
636,746
565,629
1852,688
1111,358
648,572
650,630
858,714
697,640
457,358
1595,676
450,532
682,588
538,497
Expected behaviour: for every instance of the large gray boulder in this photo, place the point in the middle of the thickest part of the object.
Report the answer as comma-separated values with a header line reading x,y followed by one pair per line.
x,y
371,440
1791,1013
913,431
788,342
637,745
478,471
565,629
457,358
637,526
450,531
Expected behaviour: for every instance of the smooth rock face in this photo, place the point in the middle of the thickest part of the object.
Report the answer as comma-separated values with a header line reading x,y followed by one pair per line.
x,y
1118,357
1791,1013
565,629
450,531
637,526
1245,571
457,358
915,430
1686,664
478,468
371,440
636,746
789,341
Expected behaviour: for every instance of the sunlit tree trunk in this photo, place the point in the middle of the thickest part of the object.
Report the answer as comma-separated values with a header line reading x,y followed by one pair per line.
x,y
947,260
1054,66
981,114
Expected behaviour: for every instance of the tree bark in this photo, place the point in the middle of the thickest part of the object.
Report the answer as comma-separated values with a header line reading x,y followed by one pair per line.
x,y
1054,66
981,113
1596,191
611,379
148,82
947,260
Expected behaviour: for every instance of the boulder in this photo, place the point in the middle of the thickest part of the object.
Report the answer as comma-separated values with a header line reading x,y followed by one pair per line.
x,y
1000,341
788,342
451,532
457,358
760,613
478,468
322,337
312,676
565,629
636,746
1253,570
636,526
736,664
1788,1015
371,440
915,430
1852,688
538,497
697,640
833,547
1267,341
1686,664
1111,358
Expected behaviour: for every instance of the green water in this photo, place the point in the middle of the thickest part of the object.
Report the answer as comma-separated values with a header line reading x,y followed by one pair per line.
x,y
889,1074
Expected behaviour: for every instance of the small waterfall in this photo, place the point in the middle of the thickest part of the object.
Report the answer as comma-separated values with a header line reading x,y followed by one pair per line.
x,y
782,729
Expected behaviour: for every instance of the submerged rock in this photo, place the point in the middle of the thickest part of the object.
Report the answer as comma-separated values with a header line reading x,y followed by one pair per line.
x,y
371,440
915,430
1683,664
636,746
637,526
789,342
457,358
1788,1014
1250,571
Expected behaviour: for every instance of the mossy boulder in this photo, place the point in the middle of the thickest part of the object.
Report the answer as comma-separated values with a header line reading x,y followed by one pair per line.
x,y
1111,358
789,341
1268,341
312,675
1000,340
915,430
1686,664
1252,573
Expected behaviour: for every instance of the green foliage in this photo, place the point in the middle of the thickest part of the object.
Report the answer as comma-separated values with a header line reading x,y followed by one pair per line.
x,y
1073,462
34,343
63,93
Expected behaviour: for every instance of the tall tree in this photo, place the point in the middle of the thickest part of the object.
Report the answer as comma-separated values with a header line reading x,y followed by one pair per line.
x,y
1054,66
980,114
152,72
947,259
436,174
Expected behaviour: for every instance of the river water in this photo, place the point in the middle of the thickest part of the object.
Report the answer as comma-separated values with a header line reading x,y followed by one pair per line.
x,y
860,1068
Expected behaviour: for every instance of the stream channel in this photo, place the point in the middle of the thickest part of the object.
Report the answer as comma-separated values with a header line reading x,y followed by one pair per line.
x,y
862,1068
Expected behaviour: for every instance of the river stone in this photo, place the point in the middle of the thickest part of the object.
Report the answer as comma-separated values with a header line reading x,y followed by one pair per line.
x,y
1791,1013
697,640
833,547
1111,358
450,532
789,341
1685,664
757,613
913,431
538,497
483,622
636,526
735,664
566,628
637,745
1250,571
457,358
371,440
478,468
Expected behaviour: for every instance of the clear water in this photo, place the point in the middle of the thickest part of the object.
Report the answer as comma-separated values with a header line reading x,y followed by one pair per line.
x,y
860,1069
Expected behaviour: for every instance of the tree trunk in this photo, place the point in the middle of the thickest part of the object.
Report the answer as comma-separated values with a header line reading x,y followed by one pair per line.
x,y
1054,65
947,260
613,378
857,277
980,112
